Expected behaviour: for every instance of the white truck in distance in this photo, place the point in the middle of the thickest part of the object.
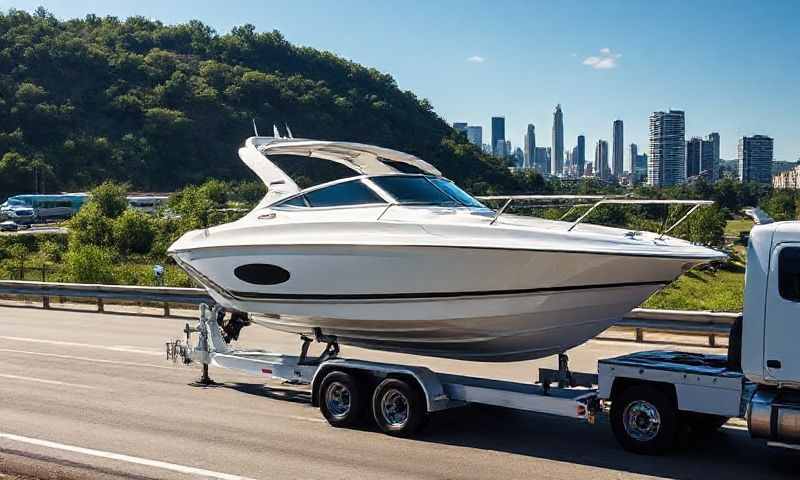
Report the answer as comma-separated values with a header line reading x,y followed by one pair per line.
x,y
653,396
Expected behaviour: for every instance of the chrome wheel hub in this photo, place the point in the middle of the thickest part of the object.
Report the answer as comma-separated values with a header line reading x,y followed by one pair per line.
x,y
642,420
394,408
338,399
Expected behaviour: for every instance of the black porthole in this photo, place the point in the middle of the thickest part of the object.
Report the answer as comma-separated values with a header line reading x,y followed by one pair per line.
x,y
261,274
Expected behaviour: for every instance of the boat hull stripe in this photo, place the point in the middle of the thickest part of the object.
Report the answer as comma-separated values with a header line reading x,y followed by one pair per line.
x,y
413,295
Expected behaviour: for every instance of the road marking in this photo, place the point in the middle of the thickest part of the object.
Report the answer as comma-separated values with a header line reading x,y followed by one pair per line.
x,y
305,419
123,458
113,348
86,359
49,382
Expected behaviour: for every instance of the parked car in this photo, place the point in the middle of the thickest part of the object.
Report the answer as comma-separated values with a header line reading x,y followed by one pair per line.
x,y
9,226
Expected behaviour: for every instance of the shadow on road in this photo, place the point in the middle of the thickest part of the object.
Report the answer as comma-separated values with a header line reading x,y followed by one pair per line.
x,y
729,453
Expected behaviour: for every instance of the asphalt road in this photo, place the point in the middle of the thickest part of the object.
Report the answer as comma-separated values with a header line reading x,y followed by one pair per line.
x,y
86,395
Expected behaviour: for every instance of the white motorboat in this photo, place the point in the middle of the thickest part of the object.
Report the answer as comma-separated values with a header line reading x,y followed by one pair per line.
x,y
409,262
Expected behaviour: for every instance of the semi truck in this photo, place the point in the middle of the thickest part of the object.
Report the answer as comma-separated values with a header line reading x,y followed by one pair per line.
x,y
649,397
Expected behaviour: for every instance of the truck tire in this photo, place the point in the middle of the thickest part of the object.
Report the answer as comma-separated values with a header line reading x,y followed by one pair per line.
x,y
644,420
341,399
398,408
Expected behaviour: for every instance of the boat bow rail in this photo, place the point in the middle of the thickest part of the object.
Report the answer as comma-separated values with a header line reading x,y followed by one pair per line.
x,y
598,201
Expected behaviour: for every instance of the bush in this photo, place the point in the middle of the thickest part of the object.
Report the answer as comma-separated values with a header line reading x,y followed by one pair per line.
x,y
134,232
90,226
111,198
89,264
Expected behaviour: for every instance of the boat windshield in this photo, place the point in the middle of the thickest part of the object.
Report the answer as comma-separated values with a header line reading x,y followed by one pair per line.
x,y
413,190
452,189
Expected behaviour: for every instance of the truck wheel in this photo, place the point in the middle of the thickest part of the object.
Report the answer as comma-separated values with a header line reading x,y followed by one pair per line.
x,y
341,399
398,408
644,420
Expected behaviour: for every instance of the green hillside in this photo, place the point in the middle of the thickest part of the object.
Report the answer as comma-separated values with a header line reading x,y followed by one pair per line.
x,y
161,106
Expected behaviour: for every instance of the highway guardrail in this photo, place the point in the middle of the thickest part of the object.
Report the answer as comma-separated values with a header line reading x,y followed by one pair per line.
x,y
709,324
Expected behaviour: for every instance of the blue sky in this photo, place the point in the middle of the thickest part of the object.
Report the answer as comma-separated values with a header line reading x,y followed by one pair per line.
x,y
733,66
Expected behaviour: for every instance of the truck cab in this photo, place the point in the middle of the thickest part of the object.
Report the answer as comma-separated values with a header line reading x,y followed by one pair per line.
x,y
656,395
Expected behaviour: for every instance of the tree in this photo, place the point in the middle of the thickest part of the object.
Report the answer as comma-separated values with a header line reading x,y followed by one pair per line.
x,y
90,226
18,255
48,253
134,232
89,264
111,198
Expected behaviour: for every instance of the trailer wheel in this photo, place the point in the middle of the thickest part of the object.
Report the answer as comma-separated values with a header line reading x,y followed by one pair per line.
x,y
341,399
398,408
644,420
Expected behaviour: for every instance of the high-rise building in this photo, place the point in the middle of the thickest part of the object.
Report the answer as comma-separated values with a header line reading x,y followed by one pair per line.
x,y
530,146
667,162
755,159
500,149
713,139
460,127
541,162
557,157
638,164
475,134
618,164
693,150
601,160
580,155
498,133
519,157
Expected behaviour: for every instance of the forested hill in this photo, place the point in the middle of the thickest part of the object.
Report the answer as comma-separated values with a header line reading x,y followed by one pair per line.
x,y
161,106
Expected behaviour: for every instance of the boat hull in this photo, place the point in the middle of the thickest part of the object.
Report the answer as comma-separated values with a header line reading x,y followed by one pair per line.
x,y
463,303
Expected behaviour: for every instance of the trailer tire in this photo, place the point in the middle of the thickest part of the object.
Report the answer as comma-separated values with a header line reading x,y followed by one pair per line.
x,y
644,420
398,408
341,399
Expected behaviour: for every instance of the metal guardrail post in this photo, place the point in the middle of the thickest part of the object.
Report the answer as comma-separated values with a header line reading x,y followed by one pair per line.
x,y
712,340
45,302
100,305
639,335
166,309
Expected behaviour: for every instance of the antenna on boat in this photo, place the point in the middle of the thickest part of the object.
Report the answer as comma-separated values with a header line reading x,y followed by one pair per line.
x,y
275,131
288,130
255,129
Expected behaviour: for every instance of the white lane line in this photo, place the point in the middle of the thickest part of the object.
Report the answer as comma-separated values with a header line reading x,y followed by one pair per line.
x,y
48,382
113,348
123,458
86,359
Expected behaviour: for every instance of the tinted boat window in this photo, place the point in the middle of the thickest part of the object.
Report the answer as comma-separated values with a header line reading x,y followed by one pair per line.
x,y
452,189
413,190
347,193
297,201
789,273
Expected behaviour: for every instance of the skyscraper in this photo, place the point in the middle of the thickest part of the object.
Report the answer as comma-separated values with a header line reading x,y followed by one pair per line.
x,y
634,152
540,160
601,160
460,127
618,165
530,147
475,134
498,133
667,162
713,139
580,155
557,156
755,159
693,161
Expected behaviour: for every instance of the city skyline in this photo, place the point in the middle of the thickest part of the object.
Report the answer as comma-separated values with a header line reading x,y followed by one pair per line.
x,y
596,70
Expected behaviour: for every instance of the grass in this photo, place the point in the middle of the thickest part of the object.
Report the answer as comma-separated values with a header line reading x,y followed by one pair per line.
x,y
733,227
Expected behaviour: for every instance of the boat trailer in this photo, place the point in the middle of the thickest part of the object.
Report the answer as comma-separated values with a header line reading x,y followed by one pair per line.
x,y
398,397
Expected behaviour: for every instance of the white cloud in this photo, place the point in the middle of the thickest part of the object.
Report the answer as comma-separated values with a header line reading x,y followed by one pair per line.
x,y
476,59
605,61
